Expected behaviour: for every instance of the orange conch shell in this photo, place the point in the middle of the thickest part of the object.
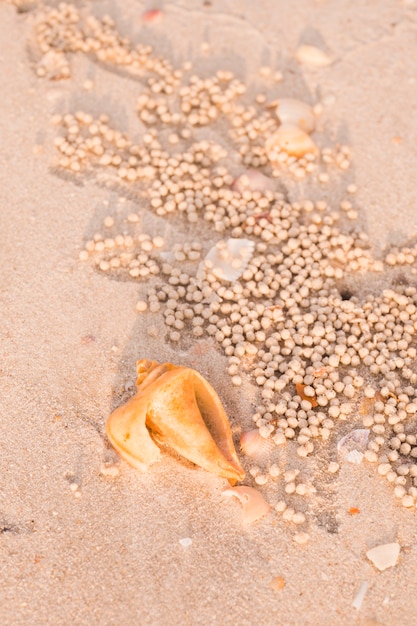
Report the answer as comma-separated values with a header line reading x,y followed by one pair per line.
x,y
179,408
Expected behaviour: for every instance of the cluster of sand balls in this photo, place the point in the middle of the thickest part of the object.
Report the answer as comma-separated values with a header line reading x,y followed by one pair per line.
x,y
169,98
124,253
64,30
402,257
198,103
322,359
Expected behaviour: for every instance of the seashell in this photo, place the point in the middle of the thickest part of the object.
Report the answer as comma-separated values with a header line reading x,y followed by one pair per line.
x,y
229,258
311,55
252,501
385,555
354,456
177,407
252,180
296,113
292,140
255,446
355,441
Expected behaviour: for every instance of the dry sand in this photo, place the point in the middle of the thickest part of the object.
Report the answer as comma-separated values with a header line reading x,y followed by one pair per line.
x,y
109,552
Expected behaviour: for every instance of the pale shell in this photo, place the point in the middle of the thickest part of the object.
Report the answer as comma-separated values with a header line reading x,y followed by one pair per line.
x,y
255,446
252,180
252,501
229,258
354,456
296,113
311,55
290,139
355,441
385,555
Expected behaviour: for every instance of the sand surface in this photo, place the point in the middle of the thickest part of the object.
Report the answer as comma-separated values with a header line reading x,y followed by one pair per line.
x,y
79,547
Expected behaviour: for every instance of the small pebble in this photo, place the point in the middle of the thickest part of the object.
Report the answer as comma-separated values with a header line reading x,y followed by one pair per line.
x,y
333,467
111,470
141,306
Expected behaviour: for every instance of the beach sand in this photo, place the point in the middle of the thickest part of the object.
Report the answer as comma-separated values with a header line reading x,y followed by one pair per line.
x,y
82,547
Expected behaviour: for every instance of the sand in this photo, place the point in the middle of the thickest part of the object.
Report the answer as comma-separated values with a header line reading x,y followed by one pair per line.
x,y
79,547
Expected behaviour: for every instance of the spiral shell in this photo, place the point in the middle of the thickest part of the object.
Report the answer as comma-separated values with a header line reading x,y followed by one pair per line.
x,y
255,446
174,406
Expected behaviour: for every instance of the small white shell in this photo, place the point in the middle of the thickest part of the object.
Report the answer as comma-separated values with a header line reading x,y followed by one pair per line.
x,y
297,113
229,258
290,139
311,55
255,446
355,441
252,180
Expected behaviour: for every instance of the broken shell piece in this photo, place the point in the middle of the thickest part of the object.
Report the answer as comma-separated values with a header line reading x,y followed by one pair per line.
x,y
292,140
351,445
180,409
255,446
229,258
385,555
252,180
360,596
277,583
311,55
295,112
354,456
186,542
253,503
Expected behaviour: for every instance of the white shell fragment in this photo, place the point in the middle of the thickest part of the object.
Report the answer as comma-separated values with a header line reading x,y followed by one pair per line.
x,y
384,556
354,456
310,55
297,113
290,139
352,445
229,258
360,596
186,542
